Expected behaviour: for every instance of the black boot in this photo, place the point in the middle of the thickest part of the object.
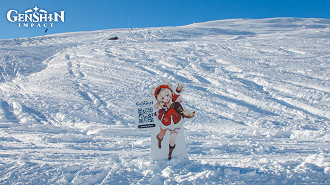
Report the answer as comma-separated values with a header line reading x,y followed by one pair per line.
x,y
159,141
170,151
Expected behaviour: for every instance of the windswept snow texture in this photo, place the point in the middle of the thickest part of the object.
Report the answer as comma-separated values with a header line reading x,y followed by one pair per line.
x,y
260,89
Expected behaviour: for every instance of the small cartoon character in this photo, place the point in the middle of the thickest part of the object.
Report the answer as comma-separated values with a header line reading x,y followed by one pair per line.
x,y
170,112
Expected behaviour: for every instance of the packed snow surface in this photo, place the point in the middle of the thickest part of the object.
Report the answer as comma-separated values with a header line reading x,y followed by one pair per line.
x,y
260,89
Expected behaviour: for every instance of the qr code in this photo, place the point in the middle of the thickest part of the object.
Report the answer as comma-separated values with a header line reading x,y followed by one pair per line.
x,y
146,115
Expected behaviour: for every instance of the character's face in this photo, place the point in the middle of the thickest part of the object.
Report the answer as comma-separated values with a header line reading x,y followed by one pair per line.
x,y
165,96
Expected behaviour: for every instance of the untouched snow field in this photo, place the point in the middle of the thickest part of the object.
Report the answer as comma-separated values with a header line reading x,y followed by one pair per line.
x,y
260,89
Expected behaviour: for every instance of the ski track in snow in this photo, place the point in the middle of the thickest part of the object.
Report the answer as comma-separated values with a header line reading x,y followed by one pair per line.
x,y
260,89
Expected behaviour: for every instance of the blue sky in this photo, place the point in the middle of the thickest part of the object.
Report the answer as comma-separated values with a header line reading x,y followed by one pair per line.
x,y
83,15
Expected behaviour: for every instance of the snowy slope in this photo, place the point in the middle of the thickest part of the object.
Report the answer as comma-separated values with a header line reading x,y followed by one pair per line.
x,y
261,90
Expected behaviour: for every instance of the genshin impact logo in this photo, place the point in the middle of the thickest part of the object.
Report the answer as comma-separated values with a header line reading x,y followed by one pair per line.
x,y
35,17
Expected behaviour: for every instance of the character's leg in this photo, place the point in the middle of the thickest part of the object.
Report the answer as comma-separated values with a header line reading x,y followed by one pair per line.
x,y
173,135
160,137
171,148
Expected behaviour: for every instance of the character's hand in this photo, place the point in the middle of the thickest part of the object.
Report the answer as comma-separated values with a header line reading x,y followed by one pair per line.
x,y
180,88
157,105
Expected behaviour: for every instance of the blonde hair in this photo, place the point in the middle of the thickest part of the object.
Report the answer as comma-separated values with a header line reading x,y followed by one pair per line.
x,y
164,82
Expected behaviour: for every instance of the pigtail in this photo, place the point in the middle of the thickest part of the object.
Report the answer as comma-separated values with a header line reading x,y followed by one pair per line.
x,y
166,82
152,90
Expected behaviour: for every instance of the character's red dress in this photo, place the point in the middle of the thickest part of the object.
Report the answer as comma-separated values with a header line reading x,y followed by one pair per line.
x,y
165,116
